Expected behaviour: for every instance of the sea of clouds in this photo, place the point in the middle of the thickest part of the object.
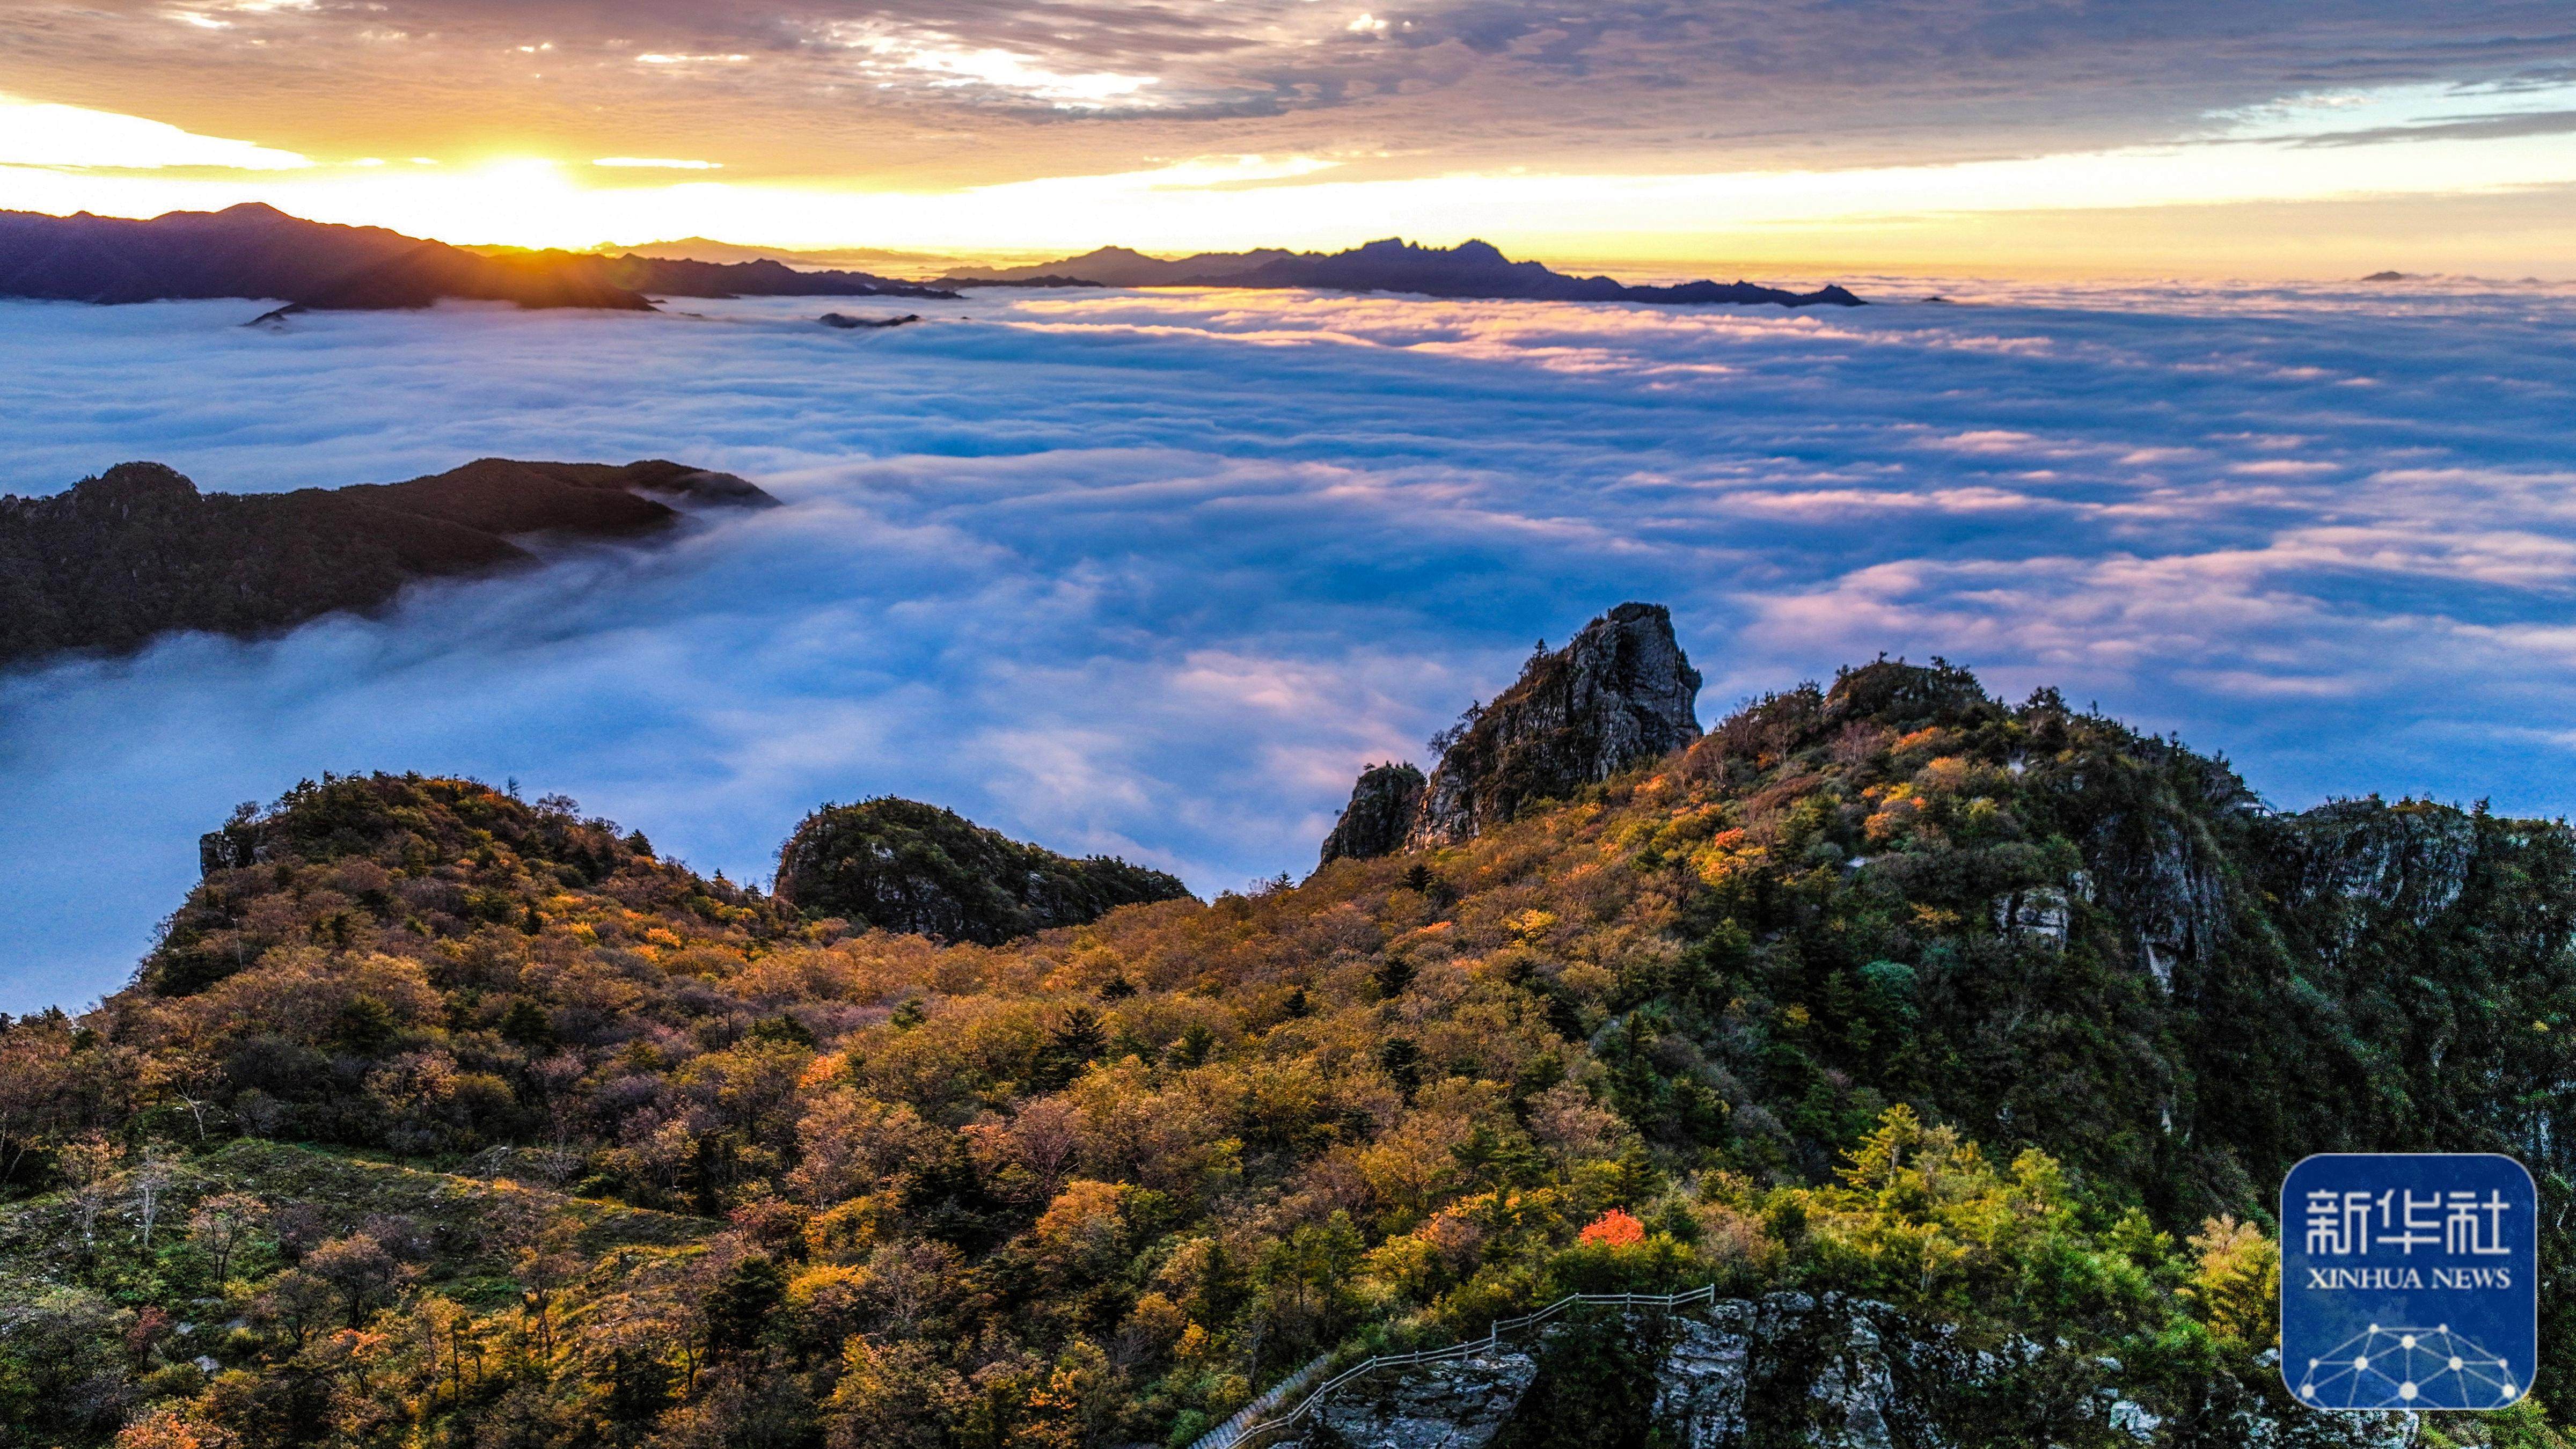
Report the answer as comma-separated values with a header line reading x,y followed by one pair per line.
x,y
1155,574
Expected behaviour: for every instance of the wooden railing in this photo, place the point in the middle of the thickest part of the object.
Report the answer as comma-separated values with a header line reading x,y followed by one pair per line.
x,y
1244,1430
1233,1430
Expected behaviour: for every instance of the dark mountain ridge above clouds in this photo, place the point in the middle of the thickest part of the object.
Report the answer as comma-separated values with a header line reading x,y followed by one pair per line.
x,y
257,251
137,552
709,249
1469,270
762,277
246,251
1127,267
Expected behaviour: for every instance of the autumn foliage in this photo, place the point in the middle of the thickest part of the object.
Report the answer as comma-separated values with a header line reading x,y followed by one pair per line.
x,y
439,1116
1617,1228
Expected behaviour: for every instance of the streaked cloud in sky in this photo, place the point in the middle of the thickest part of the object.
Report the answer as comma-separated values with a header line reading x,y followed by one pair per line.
x,y
73,138
1756,128
1155,574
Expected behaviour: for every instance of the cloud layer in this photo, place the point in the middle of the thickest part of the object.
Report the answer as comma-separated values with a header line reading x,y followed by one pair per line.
x,y
1155,574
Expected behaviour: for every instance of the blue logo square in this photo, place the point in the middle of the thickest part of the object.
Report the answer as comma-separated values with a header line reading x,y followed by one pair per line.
x,y
2409,1280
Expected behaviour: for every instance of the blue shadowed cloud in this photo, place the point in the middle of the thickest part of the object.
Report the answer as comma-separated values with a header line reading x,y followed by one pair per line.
x,y
1155,574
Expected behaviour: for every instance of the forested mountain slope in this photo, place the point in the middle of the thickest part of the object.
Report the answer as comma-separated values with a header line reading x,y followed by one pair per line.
x,y
2005,1016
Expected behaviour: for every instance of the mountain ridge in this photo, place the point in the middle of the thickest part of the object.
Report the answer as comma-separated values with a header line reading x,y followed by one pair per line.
x,y
136,552
711,249
1958,1045
253,250
1470,270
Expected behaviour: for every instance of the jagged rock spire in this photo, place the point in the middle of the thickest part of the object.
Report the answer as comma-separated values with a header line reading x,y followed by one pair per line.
x,y
1380,814
1620,693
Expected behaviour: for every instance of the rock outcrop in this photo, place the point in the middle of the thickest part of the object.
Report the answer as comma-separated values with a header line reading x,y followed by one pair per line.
x,y
2163,875
900,865
1795,1370
1620,693
1380,815
1699,1392
136,552
1458,1404
2372,865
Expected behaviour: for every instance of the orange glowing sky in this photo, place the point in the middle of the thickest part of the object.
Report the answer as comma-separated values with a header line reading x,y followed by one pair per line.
x,y
2183,136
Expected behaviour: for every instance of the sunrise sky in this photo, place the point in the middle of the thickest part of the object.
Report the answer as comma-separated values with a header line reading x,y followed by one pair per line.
x,y
2183,136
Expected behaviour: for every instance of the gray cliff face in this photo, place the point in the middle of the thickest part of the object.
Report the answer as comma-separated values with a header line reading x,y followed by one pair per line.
x,y
2170,888
2154,866
1816,1373
1379,816
2374,864
1699,1393
1620,693
1461,1404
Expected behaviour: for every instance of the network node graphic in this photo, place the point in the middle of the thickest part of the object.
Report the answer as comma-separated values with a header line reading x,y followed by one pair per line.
x,y
2409,1368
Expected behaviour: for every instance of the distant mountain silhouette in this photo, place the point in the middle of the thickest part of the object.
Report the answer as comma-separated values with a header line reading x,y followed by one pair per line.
x,y
254,250
683,278
1122,267
708,249
246,251
1469,270
257,251
433,271
137,551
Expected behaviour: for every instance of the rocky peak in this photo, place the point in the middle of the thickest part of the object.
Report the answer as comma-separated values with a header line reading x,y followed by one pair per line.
x,y
1380,814
128,486
1620,693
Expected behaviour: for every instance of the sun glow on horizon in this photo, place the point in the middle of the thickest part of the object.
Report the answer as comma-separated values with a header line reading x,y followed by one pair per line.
x,y
657,163
63,159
